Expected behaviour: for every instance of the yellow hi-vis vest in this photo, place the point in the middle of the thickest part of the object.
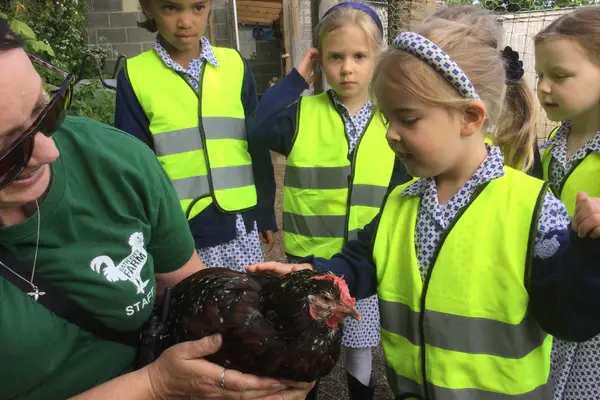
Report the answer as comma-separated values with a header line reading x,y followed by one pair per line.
x,y
327,198
464,332
584,176
199,137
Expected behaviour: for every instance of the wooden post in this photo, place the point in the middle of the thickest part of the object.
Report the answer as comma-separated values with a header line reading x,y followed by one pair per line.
x,y
212,34
287,36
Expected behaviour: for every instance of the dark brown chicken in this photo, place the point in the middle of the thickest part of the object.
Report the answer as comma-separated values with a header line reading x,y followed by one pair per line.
x,y
283,327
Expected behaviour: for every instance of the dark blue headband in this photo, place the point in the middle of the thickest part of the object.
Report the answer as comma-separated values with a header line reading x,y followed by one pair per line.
x,y
357,6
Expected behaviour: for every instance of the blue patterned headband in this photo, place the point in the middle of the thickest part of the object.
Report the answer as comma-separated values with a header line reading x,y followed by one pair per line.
x,y
358,6
437,58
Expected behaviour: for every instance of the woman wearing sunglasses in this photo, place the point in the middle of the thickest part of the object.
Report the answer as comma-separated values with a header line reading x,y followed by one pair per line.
x,y
90,211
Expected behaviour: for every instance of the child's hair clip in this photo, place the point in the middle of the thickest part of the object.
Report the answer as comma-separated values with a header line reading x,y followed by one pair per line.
x,y
512,65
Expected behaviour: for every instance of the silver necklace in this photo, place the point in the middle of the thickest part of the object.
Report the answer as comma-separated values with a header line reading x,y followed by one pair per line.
x,y
35,293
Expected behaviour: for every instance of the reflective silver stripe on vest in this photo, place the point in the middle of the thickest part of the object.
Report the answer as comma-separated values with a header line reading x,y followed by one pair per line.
x,y
367,195
192,187
179,141
189,139
317,178
232,177
463,334
330,226
402,386
224,128
223,178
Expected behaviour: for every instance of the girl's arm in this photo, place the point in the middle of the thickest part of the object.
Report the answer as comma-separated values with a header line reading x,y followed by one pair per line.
x,y
273,124
354,262
262,164
564,285
129,114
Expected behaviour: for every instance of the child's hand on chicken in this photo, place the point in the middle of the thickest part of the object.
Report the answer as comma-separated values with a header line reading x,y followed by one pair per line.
x,y
586,220
274,268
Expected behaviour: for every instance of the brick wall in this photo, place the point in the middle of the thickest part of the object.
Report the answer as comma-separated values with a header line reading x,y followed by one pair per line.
x,y
114,22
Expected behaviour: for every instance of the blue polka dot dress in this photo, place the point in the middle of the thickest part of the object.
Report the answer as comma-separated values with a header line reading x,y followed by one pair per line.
x,y
246,248
575,366
364,333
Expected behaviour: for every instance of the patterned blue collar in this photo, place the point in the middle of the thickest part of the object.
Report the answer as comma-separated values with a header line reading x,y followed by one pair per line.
x,y
206,53
491,168
561,136
341,107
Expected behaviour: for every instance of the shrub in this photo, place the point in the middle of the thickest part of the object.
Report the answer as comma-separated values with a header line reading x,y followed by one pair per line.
x,y
55,31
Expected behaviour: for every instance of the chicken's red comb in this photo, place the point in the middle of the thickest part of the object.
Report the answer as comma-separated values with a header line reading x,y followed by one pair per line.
x,y
340,283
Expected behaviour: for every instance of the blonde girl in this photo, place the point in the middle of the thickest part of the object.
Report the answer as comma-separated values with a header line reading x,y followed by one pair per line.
x,y
339,165
567,56
516,131
473,261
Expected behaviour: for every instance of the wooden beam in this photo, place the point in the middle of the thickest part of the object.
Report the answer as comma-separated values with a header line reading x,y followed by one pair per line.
x,y
246,14
263,10
266,4
254,20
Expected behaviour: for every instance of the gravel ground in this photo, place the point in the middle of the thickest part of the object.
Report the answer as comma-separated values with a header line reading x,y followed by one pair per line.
x,y
332,387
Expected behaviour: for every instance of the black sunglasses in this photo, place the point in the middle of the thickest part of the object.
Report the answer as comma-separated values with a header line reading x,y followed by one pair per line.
x,y
15,158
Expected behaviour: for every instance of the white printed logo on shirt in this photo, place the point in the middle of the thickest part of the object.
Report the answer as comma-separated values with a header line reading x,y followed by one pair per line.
x,y
130,268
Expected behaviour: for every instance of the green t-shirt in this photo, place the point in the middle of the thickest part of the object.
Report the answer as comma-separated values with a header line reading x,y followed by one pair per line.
x,y
110,205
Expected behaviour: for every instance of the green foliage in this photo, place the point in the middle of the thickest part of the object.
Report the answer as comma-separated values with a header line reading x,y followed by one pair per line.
x,y
32,43
93,101
503,6
58,23
55,31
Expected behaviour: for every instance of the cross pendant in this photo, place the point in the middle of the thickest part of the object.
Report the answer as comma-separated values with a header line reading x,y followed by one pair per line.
x,y
36,293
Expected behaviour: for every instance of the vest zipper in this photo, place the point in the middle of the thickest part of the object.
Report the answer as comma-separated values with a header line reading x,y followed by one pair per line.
x,y
202,137
205,151
351,177
352,162
569,172
428,278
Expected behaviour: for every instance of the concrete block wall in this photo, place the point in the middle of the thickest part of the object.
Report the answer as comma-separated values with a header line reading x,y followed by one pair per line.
x,y
114,23
266,63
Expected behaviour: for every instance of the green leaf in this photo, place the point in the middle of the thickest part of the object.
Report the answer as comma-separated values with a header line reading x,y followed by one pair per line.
x,y
22,29
3,16
46,48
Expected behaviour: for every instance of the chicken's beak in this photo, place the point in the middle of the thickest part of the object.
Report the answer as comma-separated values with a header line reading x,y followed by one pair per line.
x,y
352,312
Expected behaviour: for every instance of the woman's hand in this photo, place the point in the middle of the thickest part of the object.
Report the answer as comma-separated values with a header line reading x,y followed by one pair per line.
x,y
307,67
277,268
586,219
182,372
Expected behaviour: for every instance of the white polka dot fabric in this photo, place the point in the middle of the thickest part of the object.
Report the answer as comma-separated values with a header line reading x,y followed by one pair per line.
x,y
192,73
243,251
437,58
355,124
